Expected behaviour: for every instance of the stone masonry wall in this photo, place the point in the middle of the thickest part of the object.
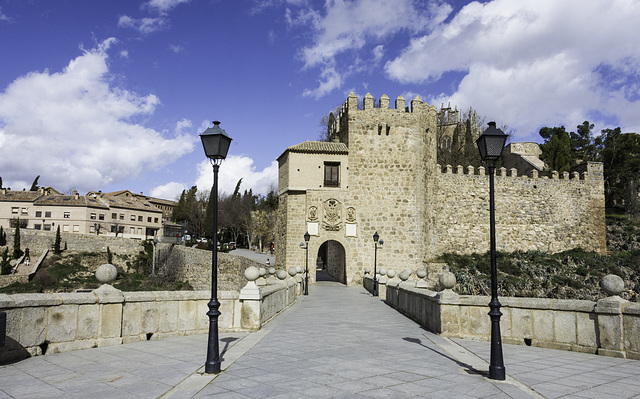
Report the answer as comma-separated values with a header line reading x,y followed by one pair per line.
x,y
389,180
609,327
37,241
194,266
532,213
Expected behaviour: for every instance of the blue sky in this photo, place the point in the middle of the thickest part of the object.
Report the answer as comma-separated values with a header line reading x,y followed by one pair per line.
x,y
110,95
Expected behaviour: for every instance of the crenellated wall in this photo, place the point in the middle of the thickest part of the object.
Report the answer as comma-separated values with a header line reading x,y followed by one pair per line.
x,y
532,213
391,184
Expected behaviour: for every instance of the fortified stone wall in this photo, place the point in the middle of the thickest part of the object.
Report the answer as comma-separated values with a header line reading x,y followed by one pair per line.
x,y
393,186
389,174
532,213
194,266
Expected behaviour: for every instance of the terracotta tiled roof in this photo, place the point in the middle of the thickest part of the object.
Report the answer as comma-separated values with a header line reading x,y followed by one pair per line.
x,y
24,196
320,147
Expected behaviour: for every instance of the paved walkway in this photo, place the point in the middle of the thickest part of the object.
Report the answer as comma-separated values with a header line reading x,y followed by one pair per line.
x,y
338,342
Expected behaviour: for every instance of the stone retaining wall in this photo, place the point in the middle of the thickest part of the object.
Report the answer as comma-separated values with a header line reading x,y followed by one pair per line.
x,y
38,241
609,327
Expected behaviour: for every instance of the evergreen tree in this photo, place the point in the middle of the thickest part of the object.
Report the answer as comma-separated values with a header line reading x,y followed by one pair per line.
x,y
208,217
34,185
5,266
3,237
109,256
582,143
56,243
620,154
556,150
17,252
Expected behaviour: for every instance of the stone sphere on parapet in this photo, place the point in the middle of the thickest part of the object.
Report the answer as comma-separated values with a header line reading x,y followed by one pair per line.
x,y
299,269
447,280
293,271
252,273
272,270
281,274
106,273
422,273
391,273
263,271
612,284
405,274
382,271
367,270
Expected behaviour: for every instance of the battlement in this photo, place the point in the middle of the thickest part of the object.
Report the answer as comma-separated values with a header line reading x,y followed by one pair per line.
x,y
590,171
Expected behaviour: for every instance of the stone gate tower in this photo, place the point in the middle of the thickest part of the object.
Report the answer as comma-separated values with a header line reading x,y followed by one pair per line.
x,y
380,174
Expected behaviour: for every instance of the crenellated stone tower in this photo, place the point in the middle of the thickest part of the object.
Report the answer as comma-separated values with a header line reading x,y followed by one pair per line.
x,y
379,173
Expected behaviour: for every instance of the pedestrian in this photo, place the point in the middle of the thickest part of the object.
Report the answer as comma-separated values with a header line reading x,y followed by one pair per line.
x,y
268,263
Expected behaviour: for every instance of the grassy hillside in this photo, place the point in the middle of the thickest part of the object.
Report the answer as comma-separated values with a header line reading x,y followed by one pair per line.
x,y
571,274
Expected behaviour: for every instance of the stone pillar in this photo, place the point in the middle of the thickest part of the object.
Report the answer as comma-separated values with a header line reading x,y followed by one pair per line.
x,y
449,305
609,312
110,302
250,301
382,284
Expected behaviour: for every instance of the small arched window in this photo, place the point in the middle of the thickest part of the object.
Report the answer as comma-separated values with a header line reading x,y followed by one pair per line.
x,y
446,143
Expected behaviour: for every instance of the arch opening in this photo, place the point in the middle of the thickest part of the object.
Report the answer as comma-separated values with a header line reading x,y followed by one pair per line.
x,y
331,262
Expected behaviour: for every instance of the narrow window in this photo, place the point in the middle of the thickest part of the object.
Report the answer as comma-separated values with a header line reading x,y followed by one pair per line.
x,y
38,215
92,216
47,214
149,219
139,218
67,215
101,216
114,216
76,228
15,209
122,216
332,174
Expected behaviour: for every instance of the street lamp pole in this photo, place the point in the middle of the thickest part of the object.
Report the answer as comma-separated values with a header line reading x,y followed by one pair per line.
x,y
306,263
375,263
490,144
216,145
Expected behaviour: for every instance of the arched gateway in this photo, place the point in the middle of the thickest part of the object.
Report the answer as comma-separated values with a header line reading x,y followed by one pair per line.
x,y
331,262
379,173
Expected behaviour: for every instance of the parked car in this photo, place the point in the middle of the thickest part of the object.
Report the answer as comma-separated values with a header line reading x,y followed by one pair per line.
x,y
232,245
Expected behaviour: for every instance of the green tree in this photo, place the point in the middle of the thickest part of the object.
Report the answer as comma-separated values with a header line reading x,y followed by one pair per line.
x,y
5,265
208,217
3,237
17,252
620,155
56,243
583,145
556,149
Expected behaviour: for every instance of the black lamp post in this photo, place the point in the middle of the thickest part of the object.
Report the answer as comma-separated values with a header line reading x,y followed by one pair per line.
x,y
490,145
306,263
375,263
216,145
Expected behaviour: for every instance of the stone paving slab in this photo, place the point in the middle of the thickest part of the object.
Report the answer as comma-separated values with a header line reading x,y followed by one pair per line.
x,y
338,342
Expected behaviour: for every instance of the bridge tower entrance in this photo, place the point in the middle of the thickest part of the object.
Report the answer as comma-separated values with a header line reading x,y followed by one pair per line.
x,y
331,262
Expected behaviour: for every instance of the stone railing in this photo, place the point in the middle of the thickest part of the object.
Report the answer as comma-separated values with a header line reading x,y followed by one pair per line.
x,y
49,323
610,326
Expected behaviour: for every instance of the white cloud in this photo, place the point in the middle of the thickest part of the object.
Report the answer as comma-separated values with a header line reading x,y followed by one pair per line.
x,y
163,6
74,129
3,17
348,28
170,191
234,168
533,62
143,25
176,48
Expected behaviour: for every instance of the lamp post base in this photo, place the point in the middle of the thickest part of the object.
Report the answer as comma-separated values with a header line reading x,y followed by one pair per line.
x,y
213,363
